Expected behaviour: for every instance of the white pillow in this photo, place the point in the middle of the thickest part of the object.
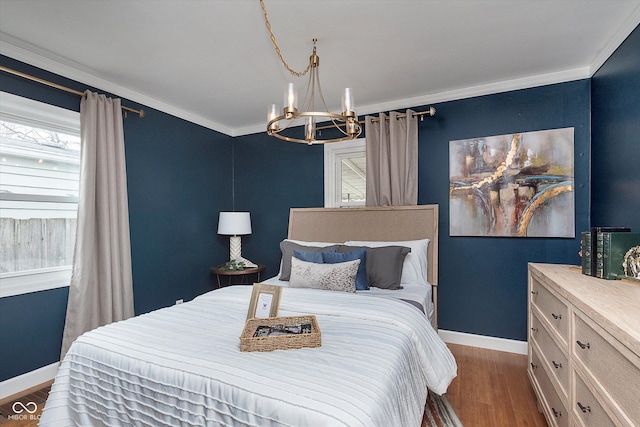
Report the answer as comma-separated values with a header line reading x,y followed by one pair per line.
x,y
333,277
414,267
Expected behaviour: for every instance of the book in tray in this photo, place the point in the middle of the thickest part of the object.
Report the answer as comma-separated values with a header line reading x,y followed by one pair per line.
x,y
279,330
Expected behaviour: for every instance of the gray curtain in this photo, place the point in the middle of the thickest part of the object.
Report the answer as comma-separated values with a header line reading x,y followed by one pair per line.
x,y
101,288
392,159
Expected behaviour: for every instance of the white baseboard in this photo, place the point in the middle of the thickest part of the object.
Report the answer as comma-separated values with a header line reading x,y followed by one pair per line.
x,y
28,380
482,341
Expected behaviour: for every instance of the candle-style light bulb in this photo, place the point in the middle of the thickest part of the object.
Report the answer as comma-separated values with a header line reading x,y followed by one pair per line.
x,y
347,100
290,97
310,130
290,101
272,113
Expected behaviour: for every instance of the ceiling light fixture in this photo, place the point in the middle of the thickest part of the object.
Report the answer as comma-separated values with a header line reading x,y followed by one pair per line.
x,y
345,124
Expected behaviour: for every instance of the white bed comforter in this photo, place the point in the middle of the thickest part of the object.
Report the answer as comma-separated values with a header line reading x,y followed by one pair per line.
x,y
181,366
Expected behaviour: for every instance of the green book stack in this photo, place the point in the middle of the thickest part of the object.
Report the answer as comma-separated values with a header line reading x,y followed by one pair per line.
x,y
594,242
611,248
585,252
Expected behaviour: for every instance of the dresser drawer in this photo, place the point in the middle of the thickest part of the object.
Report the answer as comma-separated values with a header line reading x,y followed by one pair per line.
x,y
586,407
553,358
555,411
614,367
552,308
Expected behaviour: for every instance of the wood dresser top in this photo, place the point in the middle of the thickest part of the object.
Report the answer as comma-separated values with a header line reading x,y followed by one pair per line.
x,y
613,304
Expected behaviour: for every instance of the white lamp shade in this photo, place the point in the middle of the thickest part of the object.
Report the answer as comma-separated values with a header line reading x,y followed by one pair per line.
x,y
234,223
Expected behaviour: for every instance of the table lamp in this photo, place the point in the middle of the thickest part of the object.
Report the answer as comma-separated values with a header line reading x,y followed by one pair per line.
x,y
235,224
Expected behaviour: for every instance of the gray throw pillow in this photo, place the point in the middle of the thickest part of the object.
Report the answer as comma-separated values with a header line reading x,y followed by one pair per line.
x,y
384,265
287,248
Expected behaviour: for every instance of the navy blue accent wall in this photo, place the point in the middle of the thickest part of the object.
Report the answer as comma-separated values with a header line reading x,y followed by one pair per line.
x,y
483,281
615,197
31,332
272,176
178,177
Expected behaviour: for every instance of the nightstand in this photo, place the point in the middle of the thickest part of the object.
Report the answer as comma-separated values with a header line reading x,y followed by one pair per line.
x,y
237,277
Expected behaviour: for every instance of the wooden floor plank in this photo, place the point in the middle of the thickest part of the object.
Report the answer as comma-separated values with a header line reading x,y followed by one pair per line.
x,y
492,389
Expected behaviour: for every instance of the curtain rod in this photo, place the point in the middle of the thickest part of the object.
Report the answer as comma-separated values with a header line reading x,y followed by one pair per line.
x,y
64,88
430,112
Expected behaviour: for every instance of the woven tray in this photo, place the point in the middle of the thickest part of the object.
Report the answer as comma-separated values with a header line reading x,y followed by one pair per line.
x,y
281,342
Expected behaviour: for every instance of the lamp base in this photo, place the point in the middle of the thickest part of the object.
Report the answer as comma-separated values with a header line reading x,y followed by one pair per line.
x,y
235,250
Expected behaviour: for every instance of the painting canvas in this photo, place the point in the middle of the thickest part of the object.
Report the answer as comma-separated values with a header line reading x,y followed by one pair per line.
x,y
518,185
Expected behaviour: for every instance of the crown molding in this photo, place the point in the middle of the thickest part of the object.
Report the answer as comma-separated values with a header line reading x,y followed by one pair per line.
x,y
248,130
454,95
480,90
631,23
46,60
32,55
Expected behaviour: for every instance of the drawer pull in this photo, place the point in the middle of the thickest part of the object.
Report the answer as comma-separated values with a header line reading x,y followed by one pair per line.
x,y
584,409
556,316
556,413
556,365
534,329
534,366
534,292
583,345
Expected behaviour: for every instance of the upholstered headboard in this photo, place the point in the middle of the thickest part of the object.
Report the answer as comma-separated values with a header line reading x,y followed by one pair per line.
x,y
389,223
392,223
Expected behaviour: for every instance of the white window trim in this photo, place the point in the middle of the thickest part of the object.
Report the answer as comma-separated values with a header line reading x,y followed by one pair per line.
x,y
27,281
37,114
332,156
26,111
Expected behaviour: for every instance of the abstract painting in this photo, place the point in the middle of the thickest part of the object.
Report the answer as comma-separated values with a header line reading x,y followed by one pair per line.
x,y
518,185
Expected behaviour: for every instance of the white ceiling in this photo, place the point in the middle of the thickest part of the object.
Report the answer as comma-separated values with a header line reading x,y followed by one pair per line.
x,y
212,61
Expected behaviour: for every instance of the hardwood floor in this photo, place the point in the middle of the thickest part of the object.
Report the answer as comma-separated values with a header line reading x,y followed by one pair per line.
x,y
492,390
9,416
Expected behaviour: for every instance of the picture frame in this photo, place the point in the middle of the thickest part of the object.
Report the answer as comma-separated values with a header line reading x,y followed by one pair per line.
x,y
265,301
513,185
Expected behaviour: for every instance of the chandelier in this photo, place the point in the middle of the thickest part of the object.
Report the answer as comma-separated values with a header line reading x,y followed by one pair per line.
x,y
345,125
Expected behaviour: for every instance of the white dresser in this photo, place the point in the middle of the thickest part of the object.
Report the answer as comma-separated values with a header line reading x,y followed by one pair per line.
x,y
584,347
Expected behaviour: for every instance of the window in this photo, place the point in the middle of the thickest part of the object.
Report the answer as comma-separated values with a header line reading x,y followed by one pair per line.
x,y
345,173
39,179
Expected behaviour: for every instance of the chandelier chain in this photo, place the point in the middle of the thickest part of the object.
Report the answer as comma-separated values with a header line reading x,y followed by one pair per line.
x,y
275,45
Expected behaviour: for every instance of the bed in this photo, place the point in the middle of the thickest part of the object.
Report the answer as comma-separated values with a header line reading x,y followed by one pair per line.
x,y
181,365
380,224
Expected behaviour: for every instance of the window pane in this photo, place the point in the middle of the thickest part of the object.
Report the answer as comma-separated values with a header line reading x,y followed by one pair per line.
x,y
353,179
345,173
38,162
39,177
